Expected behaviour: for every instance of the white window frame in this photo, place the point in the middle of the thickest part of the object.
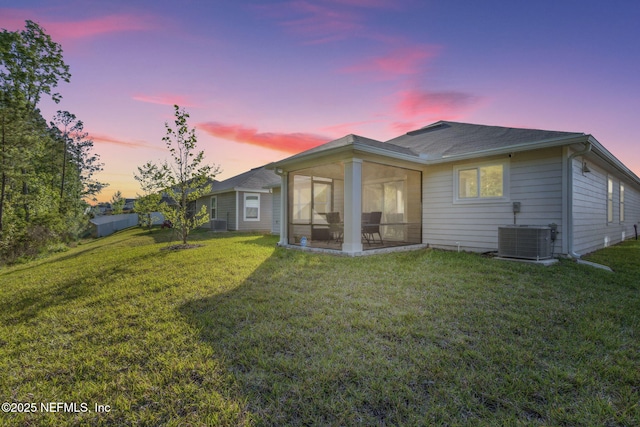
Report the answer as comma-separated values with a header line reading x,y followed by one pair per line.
x,y
609,200
478,199
244,207
211,208
621,202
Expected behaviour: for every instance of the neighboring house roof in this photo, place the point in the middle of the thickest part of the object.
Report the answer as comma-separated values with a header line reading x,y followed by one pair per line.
x,y
255,179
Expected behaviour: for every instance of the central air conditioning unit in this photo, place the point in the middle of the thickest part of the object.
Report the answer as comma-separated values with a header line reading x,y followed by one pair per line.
x,y
219,225
524,241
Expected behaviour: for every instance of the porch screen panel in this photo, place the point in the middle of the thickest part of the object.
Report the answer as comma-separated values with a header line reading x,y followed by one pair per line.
x,y
313,193
396,192
321,199
301,198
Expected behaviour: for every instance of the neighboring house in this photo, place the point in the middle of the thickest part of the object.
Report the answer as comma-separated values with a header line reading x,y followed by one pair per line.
x,y
103,208
243,202
129,205
452,185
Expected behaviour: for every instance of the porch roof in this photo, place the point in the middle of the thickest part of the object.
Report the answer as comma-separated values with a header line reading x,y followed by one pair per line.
x,y
349,142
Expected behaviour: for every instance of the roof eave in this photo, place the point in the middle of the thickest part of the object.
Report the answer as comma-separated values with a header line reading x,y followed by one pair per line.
x,y
354,147
286,163
603,153
252,190
548,143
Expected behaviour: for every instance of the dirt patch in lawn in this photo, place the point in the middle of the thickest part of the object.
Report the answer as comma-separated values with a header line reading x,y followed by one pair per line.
x,y
180,247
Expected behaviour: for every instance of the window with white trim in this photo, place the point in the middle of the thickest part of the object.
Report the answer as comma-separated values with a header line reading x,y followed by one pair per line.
x,y
481,182
252,207
621,202
609,199
214,207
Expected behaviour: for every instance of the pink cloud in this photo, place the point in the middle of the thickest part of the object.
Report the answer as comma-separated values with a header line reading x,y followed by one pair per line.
x,y
374,4
164,99
404,127
322,21
317,22
98,26
287,142
403,61
416,103
107,139
14,19
342,129
416,107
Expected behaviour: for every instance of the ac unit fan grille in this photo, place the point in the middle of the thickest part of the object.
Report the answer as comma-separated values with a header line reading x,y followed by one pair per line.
x,y
219,225
525,242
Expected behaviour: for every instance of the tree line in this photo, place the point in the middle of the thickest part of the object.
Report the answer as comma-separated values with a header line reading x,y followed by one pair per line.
x,y
46,168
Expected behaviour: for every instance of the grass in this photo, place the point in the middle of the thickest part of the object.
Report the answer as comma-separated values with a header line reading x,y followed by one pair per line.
x,y
238,332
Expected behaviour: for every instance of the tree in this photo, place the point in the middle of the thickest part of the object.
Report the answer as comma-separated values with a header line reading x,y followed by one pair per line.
x,y
117,203
186,178
151,183
68,124
31,65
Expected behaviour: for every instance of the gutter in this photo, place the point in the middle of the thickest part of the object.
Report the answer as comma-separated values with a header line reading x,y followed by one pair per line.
x,y
586,150
548,143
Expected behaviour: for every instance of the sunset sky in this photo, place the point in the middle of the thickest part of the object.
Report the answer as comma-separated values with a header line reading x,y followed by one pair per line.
x,y
266,79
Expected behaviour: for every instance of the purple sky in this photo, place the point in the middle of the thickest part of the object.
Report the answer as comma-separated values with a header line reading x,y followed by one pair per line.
x,y
265,79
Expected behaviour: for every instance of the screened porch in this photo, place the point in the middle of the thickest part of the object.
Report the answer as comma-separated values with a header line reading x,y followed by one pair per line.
x,y
376,206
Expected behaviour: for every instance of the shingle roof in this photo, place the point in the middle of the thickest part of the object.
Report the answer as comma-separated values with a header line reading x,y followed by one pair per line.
x,y
256,178
444,138
351,140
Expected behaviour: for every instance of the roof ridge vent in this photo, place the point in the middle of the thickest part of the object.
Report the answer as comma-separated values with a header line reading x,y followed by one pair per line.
x,y
430,127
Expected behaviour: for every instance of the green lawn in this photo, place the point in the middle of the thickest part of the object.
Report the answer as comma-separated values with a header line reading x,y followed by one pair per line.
x,y
239,332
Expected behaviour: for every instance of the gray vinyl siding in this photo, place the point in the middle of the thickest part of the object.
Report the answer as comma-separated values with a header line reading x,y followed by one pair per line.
x,y
534,180
592,230
632,209
264,224
226,209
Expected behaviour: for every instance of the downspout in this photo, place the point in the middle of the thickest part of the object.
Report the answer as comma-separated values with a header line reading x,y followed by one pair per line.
x,y
284,197
587,149
237,210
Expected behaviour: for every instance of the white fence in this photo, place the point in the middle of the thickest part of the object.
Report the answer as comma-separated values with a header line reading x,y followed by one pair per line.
x,y
109,224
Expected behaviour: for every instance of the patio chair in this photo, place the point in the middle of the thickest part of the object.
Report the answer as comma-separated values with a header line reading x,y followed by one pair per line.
x,y
371,227
336,227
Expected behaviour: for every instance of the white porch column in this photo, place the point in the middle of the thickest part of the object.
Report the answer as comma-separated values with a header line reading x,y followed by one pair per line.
x,y
352,206
284,209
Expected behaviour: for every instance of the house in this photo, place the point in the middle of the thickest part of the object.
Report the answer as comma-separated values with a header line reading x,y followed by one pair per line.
x,y
243,202
129,205
454,185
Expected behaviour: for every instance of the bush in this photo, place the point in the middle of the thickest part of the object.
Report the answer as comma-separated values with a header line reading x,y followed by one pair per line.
x,y
26,243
